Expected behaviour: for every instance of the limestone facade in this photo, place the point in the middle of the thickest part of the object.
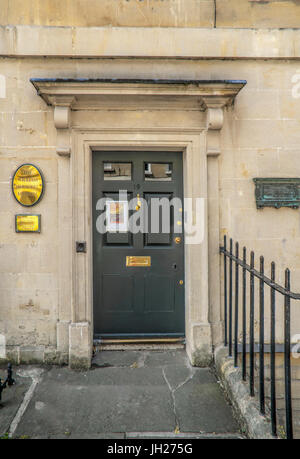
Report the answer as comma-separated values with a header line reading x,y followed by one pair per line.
x,y
45,287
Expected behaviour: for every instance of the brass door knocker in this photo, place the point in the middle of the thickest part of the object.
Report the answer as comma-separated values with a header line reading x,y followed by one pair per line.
x,y
139,203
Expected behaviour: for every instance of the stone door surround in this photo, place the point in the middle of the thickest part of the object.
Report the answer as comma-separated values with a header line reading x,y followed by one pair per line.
x,y
200,147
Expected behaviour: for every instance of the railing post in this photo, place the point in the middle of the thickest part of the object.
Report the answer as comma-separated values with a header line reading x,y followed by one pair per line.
x,y
273,387
244,313
230,300
261,339
225,292
287,358
251,378
228,321
236,312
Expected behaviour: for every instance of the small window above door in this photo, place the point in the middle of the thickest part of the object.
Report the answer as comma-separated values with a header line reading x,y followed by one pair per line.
x,y
158,172
117,171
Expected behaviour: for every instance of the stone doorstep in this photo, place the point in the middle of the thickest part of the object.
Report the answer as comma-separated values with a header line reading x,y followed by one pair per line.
x,y
138,347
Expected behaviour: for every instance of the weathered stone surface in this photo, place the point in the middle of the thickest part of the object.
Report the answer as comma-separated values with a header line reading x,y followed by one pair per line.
x,y
166,358
202,356
113,13
158,398
80,349
119,359
147,42
151,13
11,399
260,137
246,407
103,400
31,354
258,13
197,399
62,330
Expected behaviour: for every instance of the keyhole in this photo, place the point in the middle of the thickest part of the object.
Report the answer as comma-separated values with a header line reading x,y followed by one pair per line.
x,y
174,266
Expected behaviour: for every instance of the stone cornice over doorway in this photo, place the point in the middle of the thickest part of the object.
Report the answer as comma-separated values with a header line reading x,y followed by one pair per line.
x,y
54,91
67,94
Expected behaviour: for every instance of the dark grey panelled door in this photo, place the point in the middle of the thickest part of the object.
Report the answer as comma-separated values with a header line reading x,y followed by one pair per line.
x,y
138,276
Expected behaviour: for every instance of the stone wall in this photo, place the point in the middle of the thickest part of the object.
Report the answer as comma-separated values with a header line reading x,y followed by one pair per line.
x,y
106,13
253,40
260,138
280,389
247,408
152,13
258,13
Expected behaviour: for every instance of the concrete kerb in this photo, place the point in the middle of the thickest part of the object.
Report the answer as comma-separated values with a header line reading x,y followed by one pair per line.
x,y
245,407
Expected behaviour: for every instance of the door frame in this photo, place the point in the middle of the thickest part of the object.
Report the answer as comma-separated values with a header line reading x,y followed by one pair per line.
x,y
192,144
177,251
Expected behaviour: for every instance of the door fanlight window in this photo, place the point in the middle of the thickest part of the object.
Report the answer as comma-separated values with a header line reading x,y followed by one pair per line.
x,y
117,171
158,172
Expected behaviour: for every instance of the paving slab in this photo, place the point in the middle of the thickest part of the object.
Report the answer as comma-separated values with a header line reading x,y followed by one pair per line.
x,y
201,406
82,436
11,400
102,400
176,375
132,394
182,436
117,358
146,358
167,358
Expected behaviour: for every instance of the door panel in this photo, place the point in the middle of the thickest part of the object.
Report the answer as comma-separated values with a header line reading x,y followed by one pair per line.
x,y
160,294
157,234
117,293
130,299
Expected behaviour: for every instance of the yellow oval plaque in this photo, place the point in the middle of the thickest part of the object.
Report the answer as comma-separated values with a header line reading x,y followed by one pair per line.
x,y
28,185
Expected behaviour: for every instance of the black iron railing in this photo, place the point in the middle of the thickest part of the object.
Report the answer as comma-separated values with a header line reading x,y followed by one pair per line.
x,y
231,308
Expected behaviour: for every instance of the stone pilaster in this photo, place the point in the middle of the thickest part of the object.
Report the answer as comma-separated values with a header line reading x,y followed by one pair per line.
x,y
214,124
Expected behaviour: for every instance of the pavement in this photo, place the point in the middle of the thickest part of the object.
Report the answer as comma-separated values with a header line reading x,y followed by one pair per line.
x,y
126,394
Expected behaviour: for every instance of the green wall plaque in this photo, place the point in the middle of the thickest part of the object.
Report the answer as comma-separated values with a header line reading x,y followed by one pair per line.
x,y
277,192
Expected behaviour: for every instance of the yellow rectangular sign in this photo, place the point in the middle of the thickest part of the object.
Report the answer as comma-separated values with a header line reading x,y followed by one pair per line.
x,y
28,223
138,261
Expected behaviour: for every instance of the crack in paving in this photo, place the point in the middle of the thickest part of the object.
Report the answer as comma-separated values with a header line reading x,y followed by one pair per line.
x,y
142,359
177,424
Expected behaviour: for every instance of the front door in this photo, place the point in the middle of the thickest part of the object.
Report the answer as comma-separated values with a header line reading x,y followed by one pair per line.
x,y
138,244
